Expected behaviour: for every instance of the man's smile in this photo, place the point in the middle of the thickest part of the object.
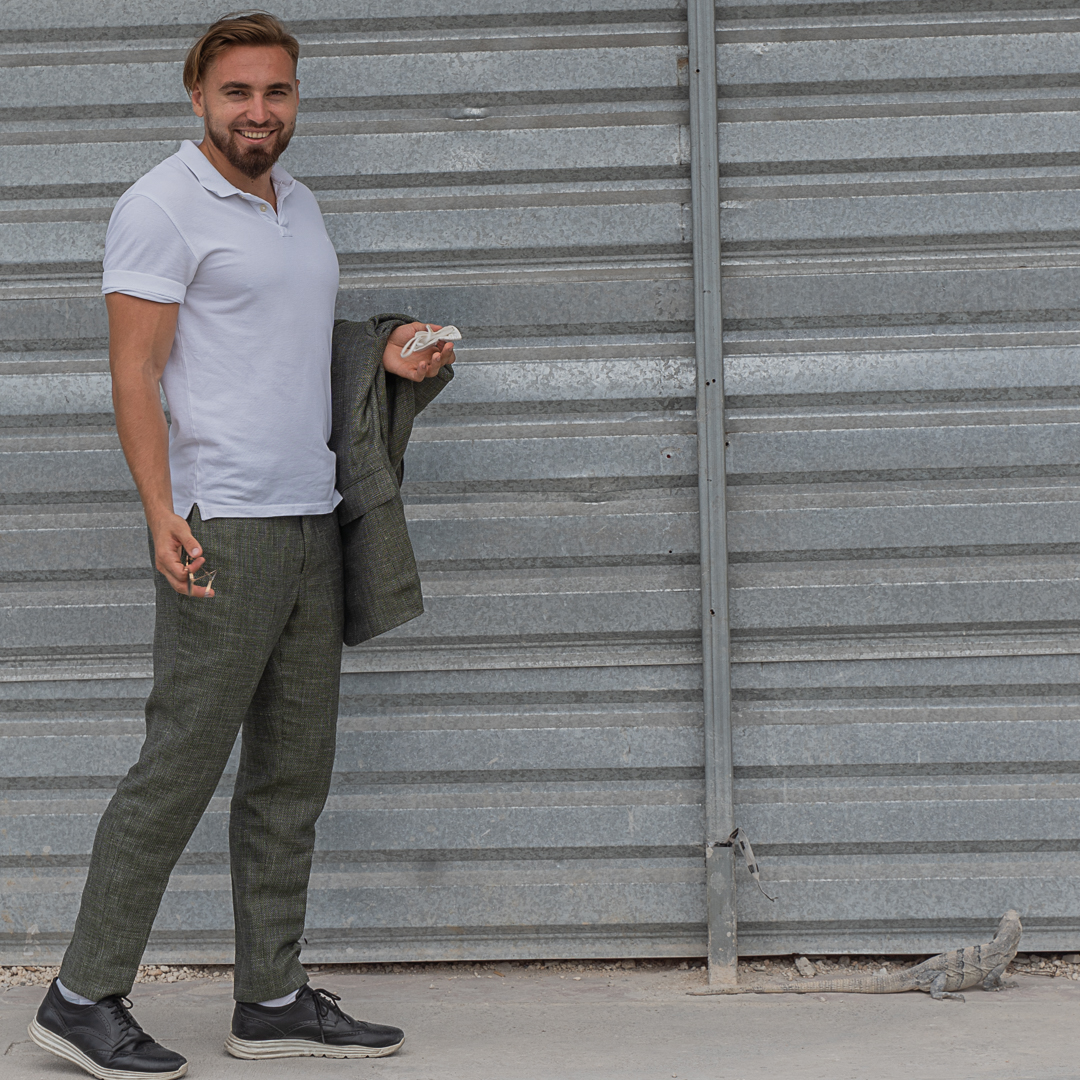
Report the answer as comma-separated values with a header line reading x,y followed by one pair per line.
x,y
255,135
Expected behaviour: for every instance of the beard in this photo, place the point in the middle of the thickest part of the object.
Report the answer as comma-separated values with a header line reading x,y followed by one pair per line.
x,y
252,161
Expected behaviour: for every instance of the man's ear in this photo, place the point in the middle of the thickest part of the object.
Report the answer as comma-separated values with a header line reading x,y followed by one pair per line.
x,y
197,100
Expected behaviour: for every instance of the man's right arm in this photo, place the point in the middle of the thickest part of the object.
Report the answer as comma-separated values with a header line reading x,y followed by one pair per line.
x,y
141,336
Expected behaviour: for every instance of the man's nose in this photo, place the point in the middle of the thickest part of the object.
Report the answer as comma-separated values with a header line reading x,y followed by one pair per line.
x,y
257,112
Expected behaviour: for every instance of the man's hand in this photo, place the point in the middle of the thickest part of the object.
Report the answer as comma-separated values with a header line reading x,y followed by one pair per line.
x,y
421,365
172,539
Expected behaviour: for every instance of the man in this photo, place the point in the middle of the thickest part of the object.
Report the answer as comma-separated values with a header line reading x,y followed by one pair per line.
x,y
220,283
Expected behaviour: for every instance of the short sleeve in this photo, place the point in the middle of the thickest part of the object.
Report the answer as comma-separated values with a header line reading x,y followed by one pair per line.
x,y
145,255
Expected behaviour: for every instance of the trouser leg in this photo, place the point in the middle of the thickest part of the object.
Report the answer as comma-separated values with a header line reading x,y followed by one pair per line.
x,y
209,658
286,759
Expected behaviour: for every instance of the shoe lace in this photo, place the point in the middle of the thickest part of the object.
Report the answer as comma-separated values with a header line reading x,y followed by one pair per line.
x,y
131,1033
326,1004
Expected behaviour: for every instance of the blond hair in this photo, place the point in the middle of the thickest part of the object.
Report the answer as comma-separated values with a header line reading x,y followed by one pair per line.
x,y
237,28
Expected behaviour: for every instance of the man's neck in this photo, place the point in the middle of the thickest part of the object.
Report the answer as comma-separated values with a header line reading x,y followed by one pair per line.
x,y
261,186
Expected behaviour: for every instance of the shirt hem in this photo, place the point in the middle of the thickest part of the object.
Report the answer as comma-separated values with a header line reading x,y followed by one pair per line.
x,y
210,510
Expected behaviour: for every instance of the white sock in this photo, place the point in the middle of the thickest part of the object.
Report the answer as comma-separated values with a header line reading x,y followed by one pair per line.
x,y
71,996
276,1003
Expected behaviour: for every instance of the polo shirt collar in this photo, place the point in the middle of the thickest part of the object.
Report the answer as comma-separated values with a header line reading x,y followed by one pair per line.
x,y
190,154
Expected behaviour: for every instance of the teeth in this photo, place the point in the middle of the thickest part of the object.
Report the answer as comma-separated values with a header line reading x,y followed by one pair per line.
x,y
255,134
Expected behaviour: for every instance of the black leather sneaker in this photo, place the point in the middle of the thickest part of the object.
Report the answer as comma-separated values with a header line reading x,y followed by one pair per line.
x,y
103,1039
312,1026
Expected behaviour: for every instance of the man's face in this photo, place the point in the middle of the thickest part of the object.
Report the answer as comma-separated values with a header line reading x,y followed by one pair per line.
x,y
248,99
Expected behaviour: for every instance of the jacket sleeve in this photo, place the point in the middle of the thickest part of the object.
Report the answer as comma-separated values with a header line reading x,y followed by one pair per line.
x,y
405,399
426,392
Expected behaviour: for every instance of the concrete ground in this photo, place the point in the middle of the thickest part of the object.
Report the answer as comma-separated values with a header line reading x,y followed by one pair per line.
x,y
634,1025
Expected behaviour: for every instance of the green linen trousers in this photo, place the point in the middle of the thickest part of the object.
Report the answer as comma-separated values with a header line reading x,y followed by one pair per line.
x,y
262,658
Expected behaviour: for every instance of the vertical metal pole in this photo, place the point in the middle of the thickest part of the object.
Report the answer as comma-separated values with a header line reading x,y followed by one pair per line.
x,y
708,327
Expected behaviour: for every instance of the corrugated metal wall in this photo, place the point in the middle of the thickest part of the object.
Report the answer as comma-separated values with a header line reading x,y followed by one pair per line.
x,y
900,216
520,771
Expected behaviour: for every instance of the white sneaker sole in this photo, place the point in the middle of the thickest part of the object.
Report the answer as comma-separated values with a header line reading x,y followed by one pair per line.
x,y
260,1049
59,1046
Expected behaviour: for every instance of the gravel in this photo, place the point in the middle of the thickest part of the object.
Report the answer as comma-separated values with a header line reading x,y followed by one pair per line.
x,y
750,968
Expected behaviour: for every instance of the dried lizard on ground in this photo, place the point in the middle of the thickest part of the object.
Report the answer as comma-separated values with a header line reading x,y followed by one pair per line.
x,y
940,976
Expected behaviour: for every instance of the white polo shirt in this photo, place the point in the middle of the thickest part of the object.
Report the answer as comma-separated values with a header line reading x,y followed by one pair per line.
x,y
248,378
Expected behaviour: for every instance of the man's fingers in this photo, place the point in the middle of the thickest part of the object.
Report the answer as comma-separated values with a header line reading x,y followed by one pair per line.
x,y
182,583
197,591
179,556
177,573
175,569
175,565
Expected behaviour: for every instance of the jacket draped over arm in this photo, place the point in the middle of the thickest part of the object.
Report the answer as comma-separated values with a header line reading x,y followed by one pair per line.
x,y
373,418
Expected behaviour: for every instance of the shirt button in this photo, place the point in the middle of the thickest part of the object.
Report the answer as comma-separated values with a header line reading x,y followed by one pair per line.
x,y
262,208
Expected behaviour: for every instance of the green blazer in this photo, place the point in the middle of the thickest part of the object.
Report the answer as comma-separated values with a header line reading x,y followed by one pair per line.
x,y
373,419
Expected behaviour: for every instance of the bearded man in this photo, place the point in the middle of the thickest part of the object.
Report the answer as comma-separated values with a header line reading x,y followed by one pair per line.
x,y
220,283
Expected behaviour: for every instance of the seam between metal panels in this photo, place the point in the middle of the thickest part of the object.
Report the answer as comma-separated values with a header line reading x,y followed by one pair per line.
x,y
922,693
919,848
372,857
841,9
408,46
708,336
369,181
395,127
426,24
933,163
898,30
915,85
902,186
880,110
413,203
353,103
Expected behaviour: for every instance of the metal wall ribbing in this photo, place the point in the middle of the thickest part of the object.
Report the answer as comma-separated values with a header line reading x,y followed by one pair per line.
x,y
900,225
519,771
